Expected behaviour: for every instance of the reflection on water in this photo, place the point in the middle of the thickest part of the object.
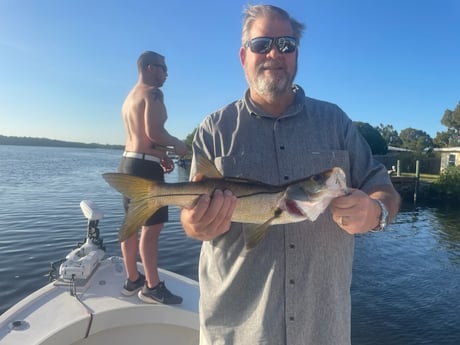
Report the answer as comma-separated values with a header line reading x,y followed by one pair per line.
x,y
449,232
405,281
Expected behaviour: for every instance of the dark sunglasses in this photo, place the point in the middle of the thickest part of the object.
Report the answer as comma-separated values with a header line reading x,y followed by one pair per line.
x,y
163,67
262,45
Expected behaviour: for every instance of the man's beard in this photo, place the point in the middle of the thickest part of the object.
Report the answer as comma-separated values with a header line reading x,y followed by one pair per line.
x,y
273,85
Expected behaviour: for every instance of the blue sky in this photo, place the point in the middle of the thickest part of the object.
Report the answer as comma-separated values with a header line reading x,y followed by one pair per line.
x,y
66,66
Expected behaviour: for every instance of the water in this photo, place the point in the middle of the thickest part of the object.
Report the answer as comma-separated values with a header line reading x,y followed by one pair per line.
x,y
406,282
41,220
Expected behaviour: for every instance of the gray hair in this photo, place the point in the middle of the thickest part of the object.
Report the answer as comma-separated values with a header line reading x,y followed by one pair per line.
x,y
148,58
252,12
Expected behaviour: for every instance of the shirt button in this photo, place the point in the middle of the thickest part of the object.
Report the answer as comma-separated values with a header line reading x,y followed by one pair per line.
x,y
291,318
286,177
292,245
291,281
282,147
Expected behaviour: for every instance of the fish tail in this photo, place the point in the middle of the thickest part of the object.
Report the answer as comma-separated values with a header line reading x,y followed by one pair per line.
x,y
141,205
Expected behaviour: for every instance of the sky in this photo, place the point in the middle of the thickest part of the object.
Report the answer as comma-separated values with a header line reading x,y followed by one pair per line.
x,y
66,66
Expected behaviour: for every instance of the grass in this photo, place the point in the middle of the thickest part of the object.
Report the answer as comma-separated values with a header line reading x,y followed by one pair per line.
x,y
423,177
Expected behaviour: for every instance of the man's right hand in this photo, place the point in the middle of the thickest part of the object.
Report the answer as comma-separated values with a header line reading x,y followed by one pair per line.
x,y
211,215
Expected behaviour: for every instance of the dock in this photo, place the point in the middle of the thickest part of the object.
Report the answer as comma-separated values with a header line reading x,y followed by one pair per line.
x,y
409,187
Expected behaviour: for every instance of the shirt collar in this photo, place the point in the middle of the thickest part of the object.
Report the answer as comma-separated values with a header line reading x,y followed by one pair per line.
x,y
296,106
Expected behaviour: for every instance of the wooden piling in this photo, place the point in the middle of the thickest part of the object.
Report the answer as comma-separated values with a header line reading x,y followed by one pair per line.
x,y
417,179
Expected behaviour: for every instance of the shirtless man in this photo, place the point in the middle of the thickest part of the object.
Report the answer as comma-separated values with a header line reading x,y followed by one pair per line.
x,y
144,115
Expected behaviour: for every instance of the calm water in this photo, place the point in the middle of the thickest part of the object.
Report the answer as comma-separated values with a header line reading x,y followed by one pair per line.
x,y
406,283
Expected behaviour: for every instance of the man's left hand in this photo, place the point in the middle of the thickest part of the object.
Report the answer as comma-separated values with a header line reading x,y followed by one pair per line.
x,y
356,212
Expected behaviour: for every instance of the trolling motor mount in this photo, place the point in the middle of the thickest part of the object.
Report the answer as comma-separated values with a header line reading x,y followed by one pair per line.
x,y
81,261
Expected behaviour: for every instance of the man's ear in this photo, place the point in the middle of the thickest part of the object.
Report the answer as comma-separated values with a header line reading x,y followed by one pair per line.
x,y
242,55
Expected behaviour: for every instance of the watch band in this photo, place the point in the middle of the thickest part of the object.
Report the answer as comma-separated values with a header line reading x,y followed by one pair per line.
x,y
383,217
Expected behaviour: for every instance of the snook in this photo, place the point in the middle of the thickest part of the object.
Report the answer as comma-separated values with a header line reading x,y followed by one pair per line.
x,y
258,203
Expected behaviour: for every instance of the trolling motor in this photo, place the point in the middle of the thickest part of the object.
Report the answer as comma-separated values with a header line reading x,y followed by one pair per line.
x,y
81,261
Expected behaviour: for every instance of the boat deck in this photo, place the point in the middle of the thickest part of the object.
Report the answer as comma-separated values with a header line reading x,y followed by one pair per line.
x,y
100,314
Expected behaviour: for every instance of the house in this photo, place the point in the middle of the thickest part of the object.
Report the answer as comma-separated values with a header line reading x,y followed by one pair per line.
x,y
450,156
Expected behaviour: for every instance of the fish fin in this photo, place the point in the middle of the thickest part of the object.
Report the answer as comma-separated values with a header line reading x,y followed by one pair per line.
x,y
141,205
207,168
254,233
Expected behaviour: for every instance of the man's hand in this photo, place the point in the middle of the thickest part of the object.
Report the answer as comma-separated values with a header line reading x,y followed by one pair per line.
x,y
167,164
356,212
211,215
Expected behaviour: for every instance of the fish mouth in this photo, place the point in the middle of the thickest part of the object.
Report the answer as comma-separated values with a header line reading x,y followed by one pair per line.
x,y
293,209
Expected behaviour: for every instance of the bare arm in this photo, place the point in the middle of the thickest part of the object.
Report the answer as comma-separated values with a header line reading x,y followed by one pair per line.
x,y
155,118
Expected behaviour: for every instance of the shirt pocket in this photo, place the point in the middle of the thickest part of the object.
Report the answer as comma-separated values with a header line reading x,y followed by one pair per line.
x,y
240,166
317,161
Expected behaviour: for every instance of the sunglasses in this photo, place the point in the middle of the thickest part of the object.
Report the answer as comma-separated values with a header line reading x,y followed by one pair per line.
x,y
262,45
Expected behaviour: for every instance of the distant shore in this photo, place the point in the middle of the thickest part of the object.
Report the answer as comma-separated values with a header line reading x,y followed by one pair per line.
x,y
28,141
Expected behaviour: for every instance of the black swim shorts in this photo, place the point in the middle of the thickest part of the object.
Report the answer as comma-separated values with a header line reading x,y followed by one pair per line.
x,y
145,169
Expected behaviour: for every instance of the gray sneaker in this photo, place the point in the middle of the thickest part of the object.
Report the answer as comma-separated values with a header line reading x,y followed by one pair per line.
x,y
130,288
158,294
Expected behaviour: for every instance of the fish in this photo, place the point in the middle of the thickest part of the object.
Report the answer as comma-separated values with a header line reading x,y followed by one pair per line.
x,y
259,204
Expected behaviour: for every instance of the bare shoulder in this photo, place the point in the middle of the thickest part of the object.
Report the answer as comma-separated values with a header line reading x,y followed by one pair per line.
x,y
155,94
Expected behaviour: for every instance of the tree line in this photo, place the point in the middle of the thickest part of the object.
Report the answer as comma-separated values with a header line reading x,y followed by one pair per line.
x,y
415,140
379,137
29,141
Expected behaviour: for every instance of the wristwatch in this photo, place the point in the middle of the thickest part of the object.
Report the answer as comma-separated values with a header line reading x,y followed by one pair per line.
x,y
383,217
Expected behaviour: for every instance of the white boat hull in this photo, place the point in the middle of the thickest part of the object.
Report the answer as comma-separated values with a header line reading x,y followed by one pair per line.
x,y
99,314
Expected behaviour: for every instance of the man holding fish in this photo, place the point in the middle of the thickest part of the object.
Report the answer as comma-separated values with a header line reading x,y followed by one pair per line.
x,y
291,285
282,182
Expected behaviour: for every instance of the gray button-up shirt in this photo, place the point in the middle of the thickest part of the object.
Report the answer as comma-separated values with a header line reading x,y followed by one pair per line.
x,y
294,287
